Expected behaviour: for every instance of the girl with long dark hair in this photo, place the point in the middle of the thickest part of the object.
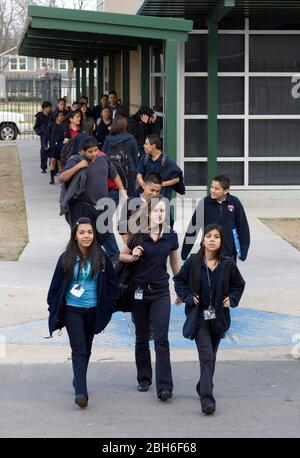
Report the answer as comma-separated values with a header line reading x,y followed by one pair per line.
x,y
81,297
212,283
151,244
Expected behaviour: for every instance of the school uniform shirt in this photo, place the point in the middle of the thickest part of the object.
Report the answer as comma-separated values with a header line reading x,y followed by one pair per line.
x,y
89,297
153,262
41,123
168,171
98,173
102,132
229,214
205,291
54,137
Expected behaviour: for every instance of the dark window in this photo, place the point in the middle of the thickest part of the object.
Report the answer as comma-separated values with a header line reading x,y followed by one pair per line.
x,y
230,53
157,93
274,53
274,95
195,173
279,23
230,95
274,173
274,137
230,138
157,60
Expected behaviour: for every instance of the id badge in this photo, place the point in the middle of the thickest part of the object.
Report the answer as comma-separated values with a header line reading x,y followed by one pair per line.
x,y
138,294
77,290
209,314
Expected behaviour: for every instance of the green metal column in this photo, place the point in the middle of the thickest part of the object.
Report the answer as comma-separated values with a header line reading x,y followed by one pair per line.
x,y
126,79
83,78
212,101
170,130
77,82
91,82
145,76
99,78
112,69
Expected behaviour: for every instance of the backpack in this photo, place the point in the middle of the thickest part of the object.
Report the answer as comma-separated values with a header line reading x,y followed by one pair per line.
x,y
67,151
178,187
119,159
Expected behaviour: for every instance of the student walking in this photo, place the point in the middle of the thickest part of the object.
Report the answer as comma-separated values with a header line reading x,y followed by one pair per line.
x,y
227,211
54,139
209,283
81,297
42,119
150,247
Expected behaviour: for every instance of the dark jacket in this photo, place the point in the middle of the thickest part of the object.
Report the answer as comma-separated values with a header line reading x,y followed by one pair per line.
x,y
74,188
108,292
229,215
139,130
41,123
130,148
54,137
230,283
102,131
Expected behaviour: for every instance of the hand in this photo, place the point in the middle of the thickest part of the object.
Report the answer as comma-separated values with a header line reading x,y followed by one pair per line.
x,y
124,195
226,302
137,252
83,164
177,301
196,299
66,140
153,118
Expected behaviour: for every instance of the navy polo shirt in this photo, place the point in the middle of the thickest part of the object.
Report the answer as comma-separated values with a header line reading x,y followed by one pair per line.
x,y
204,291
153,265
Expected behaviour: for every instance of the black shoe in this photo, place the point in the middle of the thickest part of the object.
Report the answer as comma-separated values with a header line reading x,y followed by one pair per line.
x,y
208,410
51,182
81,400
165,395
143,387
43,171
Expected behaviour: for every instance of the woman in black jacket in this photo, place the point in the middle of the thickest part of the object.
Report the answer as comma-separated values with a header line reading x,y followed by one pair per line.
x,y
208,284
81,297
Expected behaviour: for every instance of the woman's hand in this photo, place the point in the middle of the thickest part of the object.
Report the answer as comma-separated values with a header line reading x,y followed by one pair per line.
x,y
66,140
178,301
196,299
226,302
137,252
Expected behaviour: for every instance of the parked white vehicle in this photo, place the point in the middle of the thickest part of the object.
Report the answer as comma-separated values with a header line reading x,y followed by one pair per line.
x,y
12,124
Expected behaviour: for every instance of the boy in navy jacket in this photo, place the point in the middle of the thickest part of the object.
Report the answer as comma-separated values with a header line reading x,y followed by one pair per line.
x,y
41,122
223,209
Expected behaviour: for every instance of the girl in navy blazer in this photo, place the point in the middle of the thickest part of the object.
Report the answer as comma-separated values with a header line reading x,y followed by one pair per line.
x,y
208,283
82,297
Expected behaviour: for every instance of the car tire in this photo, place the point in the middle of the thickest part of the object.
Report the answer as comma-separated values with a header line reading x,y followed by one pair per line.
x,y
8,131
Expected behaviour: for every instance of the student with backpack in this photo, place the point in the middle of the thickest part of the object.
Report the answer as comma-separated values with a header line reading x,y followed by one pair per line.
x,y
208,283
123,151
42,119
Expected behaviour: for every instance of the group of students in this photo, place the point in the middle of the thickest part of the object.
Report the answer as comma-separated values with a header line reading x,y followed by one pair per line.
x,y
85,287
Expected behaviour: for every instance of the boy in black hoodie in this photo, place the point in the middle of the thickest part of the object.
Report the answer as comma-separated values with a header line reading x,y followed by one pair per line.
x,y
225,210
41,122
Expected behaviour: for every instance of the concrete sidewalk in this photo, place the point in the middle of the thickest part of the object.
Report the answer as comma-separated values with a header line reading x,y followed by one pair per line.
x,y
271,270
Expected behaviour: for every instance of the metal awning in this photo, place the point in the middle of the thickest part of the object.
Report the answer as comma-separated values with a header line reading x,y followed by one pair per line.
x,y
72,34
197,8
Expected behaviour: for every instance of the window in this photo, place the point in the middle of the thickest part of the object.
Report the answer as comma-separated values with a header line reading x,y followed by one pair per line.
x,y
62,65
13,64
47,64
22,63
274,53
274,137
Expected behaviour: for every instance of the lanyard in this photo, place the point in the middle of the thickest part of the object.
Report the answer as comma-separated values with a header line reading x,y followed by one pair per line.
x,y
211,288
84,272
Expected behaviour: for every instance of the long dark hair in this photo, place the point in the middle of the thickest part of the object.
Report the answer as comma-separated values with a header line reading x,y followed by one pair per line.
x,y
209,228
141,219
94,253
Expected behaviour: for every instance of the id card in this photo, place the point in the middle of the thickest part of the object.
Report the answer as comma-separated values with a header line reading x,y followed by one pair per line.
x,y
209,314
138,294
77,290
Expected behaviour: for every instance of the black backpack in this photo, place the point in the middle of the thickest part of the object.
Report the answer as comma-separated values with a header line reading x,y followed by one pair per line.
x,y
119,159
67,151
178,187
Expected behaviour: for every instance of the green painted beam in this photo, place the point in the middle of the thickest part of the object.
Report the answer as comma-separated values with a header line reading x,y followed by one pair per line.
x,y
126,79
170,131
212,102
77,82
83,78
99,78
145,75
112,19
220,10
111,72
109,29
91,82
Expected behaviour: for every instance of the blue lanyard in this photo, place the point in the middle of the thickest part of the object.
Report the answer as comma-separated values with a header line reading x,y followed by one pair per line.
x,y
211,288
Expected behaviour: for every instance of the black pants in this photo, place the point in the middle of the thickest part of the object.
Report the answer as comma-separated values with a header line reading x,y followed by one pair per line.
x,y
80,327
43,155
155,306
207,345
